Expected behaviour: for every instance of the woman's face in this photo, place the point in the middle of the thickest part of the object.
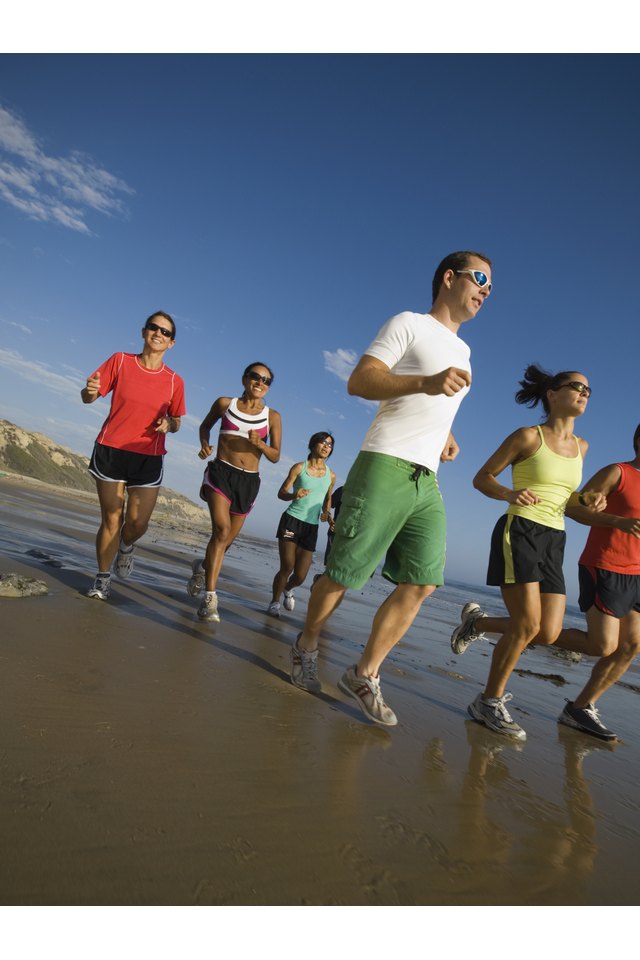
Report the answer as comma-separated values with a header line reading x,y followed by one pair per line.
x,y
572,396
254,381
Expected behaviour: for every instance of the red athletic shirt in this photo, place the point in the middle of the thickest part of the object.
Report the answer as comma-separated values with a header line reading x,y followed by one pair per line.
x,y
140,398
611,549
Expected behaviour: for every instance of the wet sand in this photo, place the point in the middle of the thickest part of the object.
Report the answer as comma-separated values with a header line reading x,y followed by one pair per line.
x,y
151,759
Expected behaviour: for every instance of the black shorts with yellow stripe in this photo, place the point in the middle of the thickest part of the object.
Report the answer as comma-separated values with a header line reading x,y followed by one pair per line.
x,y
523,551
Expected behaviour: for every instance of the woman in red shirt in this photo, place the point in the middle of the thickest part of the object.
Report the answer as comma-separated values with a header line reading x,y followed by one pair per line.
x,y
147,403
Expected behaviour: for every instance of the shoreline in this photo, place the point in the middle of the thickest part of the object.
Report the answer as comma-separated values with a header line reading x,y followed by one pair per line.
x,y
152,759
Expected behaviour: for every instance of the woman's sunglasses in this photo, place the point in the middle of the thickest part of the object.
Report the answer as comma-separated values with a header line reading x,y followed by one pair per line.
x,y
579,387
479,278
163,330
259,379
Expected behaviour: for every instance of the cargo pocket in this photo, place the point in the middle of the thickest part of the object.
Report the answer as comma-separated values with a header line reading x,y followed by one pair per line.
x,y
350,516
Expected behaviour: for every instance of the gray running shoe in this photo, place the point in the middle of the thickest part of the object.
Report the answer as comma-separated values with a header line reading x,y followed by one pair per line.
x,y
304,669
467,632
289,601
366,691
208,609
124,562
101,588
494,715
586,719
195,584
274,609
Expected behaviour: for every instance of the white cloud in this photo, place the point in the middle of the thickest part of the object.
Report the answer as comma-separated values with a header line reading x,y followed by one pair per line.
x,y
40,374
61,190
18,326
340,363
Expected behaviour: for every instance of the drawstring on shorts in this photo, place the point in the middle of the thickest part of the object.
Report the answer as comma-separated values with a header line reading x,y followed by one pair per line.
x,y
418,472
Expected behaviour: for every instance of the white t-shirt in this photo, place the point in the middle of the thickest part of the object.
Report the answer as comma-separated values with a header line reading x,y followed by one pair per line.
x,y
416,427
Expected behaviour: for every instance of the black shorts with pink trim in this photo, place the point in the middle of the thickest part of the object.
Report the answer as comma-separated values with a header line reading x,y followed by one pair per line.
x,y
615,594
124,466
239,487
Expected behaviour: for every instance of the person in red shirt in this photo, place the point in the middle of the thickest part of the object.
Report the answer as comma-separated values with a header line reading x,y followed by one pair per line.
x,y
147,403
609,576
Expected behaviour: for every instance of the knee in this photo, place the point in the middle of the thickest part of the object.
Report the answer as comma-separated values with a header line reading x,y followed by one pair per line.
x,y
221,534
134,529
546,636
528,630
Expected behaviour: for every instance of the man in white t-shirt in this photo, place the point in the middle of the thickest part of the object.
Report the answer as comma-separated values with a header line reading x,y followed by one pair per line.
x,y
419,370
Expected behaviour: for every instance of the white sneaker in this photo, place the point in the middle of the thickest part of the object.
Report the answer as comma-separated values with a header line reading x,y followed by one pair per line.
x,y
101,588
468,631
289,601
366,691
304,668
274,609
195,584
124,562
208,609
494,715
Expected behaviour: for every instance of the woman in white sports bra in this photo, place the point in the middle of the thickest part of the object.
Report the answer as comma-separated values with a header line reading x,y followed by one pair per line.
x,y
249,429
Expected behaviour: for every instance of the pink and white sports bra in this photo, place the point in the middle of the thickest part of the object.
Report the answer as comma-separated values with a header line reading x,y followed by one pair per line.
x,y
236,424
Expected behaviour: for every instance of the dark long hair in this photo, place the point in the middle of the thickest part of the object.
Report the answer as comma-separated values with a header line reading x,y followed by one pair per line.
x,y
536,382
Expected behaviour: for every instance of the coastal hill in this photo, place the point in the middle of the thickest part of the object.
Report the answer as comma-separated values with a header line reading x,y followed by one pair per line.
x,y
35,455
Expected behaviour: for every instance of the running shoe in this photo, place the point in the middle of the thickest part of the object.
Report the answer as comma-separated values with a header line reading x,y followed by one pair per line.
x,y
304,668
274,609
494,715
101,588
195,584
124,562
208,609
289,601
586,719
466,633
367,692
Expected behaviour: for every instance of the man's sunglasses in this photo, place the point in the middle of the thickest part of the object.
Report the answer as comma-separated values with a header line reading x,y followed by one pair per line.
x,y
163,330
259,379
579,387
479,278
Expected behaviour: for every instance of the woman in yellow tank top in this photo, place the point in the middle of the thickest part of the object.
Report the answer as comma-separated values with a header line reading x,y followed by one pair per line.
x,y
527,545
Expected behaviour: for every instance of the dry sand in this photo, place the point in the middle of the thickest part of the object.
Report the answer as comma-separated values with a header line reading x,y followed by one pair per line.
x,y
151,759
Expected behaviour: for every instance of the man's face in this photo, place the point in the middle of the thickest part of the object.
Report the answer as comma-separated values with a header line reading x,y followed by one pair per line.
x,y
467,295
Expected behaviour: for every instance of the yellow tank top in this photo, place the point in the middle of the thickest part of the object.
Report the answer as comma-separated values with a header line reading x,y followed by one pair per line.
x,y
551,477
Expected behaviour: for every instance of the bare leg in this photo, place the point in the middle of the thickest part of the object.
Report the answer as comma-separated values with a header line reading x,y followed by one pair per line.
x,y
111,497
301,568
225,528
609,669
140,505
523,603
325,598
287,551
391,622
600,638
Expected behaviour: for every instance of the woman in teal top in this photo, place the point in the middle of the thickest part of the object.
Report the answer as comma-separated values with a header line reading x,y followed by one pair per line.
x,y
308,486
527,546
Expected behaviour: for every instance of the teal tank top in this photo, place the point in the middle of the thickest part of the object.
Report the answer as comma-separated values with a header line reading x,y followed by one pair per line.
x,y
551,477
309,508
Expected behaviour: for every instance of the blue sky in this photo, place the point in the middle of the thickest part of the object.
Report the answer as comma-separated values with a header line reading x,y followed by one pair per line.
x,y
281,208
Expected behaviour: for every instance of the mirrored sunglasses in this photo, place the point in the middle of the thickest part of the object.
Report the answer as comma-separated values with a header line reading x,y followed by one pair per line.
x,y
479,278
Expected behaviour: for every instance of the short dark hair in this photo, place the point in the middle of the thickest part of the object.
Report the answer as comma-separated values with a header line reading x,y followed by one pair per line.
x,y
636,437
536,382
258,363
319,437
161,313
454,261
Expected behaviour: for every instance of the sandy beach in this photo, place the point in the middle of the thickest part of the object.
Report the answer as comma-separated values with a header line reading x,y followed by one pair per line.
x,y
148,758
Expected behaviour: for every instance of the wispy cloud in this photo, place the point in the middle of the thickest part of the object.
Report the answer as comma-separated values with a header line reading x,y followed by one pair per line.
x,y
61,190
18,326
41,374
340,363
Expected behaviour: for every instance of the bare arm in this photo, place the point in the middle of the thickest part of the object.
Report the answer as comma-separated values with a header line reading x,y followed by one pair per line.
x,y
450,451
284,493
326,506
588,506
520,444
372,380
271,450
217,410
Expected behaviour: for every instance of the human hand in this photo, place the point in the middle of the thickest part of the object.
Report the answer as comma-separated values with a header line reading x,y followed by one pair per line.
x,y
92,388
451,450
523,498
447,382
302,492
205,450
255,439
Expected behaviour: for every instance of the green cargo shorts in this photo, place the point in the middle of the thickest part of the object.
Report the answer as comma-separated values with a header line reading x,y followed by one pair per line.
x,y
385,511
